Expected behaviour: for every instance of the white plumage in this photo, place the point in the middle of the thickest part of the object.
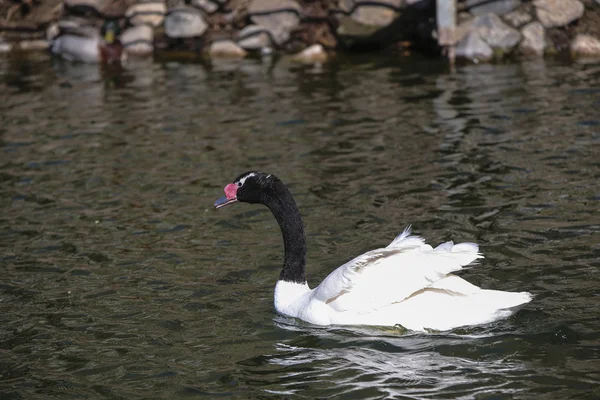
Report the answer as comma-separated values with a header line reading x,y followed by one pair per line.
x,y
407,283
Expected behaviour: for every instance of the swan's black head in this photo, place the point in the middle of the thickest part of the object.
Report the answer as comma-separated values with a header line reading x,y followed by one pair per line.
x,y
249,187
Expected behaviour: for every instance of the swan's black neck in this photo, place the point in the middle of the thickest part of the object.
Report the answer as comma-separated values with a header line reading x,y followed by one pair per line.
x,y
281,203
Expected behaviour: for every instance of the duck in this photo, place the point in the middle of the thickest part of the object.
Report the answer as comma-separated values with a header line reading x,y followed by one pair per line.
x,y
407,284
86,44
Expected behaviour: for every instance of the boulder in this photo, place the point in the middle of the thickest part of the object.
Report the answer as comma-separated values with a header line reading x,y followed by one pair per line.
x,y
5,47
147,12
184,22
495,32
474,48
374,13
77,48
254,37
208,6
311,55
498,7
226,49
138,40
555,13
585,46
534,39
108,8
279,17
517,18
361,18
34,45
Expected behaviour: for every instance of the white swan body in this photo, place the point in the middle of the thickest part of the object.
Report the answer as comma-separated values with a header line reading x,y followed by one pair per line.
x,y
407,283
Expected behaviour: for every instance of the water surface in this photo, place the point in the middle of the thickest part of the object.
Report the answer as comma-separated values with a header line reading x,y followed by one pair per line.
x,y
119,279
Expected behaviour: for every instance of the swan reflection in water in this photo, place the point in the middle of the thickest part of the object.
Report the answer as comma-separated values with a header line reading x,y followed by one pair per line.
x,y
382,363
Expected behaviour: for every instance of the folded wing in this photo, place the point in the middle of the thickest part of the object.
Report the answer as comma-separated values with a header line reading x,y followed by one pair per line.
x,y
389,275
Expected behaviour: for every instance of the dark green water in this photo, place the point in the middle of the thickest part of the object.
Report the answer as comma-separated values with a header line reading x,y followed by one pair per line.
x,y
118,280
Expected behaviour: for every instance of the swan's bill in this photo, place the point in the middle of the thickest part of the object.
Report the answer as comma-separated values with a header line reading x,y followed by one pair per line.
x,y
224,201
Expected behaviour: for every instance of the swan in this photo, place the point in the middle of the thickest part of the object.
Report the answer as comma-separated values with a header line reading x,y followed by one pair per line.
x,y
407,283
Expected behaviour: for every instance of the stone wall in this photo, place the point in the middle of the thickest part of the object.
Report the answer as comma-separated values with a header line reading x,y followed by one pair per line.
x,y
487,30
494,30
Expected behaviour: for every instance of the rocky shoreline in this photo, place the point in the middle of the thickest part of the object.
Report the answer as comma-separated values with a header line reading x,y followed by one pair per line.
x,y
486,30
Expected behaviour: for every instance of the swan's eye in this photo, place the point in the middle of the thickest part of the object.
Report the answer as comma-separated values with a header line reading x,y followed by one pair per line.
x,y
239,184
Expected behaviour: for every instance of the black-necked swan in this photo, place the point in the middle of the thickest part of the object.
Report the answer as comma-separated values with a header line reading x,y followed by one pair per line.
x,y
407,283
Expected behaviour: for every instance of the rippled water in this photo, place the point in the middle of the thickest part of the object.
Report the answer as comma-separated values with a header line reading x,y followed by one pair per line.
x,y
119,279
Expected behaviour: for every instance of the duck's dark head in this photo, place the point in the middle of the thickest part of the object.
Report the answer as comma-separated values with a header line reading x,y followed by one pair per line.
x,y
249,187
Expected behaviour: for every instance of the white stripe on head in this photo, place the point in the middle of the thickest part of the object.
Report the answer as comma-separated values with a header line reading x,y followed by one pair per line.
x,y
242,180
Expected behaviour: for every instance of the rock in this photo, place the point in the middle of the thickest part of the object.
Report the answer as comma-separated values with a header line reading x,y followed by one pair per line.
x,y
462,17
5,47
226,49
184,22
280,17
374,14
34,45
585,46
462,30
52,31
349,27
534,39
254,37
473,47
77,48
311,55
96,5
208,6
148,12
495,32
555,13
517,18
138,40
106,8
498,7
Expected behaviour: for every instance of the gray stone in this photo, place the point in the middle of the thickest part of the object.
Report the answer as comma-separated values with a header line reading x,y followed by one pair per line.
x,y
311,55
226,49
376,15
97,5
138,40
495,32
517,18
207,6
499,7
280,17
585,46
151,13
254,37
474,48
184,22
347,26
534,39
462,17
34,45
77,48
106,8
76,26
5,47
555,13
462,30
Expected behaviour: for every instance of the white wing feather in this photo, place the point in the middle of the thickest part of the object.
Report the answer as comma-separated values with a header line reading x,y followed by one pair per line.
x,y
389,275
